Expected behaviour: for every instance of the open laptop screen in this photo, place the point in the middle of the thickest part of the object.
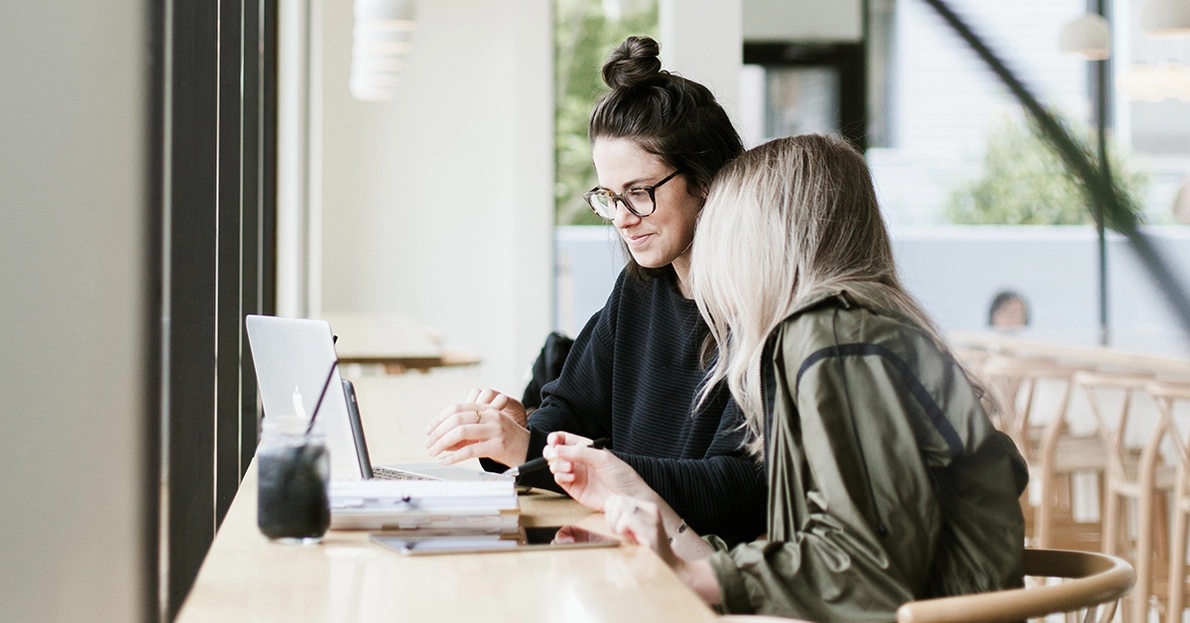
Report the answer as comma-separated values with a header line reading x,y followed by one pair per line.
x,y
292,357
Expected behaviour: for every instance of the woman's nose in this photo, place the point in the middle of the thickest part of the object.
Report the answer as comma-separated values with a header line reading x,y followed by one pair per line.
x,y
624,217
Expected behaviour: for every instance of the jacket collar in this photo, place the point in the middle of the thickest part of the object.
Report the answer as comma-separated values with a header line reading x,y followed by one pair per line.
x,y
814,299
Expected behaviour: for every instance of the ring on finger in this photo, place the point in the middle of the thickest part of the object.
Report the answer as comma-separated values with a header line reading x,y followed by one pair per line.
x,y
478,418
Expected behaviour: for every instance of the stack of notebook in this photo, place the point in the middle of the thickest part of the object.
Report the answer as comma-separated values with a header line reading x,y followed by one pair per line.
x,y
431,505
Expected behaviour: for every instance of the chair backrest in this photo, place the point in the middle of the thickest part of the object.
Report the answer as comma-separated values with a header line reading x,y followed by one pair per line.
x,y
1112,429
1012,380
1166,394
1094,585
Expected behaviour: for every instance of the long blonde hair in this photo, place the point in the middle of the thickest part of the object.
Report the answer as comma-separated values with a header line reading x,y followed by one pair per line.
x,y
783,222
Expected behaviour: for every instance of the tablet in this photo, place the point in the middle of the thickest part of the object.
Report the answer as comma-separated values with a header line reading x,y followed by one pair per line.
x,y
540,538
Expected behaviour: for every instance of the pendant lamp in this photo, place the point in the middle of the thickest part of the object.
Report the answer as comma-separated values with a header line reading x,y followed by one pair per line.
x,y
381,40
1088,36
1166,18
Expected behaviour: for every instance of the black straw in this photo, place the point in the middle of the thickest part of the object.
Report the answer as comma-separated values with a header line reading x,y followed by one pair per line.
x,y
329,375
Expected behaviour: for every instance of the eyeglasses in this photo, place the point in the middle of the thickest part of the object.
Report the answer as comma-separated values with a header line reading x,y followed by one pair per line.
x,y
639,201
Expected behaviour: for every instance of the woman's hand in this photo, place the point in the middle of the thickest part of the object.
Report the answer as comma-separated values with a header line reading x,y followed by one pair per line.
x,y
591,476
640,521
489,424
644,522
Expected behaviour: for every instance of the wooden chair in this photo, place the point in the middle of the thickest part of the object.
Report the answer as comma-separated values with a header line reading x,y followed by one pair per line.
x,y
1051,450
971,358
1130,475
1013,381
1094,583
1166,395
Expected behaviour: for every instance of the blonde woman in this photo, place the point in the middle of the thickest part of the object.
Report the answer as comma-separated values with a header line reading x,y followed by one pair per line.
x,y
887,481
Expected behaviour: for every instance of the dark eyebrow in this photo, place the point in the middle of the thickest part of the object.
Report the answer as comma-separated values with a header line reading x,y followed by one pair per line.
x,y
636,183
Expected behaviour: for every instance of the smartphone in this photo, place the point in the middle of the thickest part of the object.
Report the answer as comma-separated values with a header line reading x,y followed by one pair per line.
x,y
539,538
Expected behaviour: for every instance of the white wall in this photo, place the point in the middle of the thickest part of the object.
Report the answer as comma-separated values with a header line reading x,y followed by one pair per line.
x,y
702,41
803,20
439,204
72,202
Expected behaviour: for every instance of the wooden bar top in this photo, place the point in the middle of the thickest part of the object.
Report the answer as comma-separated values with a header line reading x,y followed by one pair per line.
x,y
346,578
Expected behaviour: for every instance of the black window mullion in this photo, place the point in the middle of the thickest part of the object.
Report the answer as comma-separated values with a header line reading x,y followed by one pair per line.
x,y
268,156
155,278
250,187
192,279
230,207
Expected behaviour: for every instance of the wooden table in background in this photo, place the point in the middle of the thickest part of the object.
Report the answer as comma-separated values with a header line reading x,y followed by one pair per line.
x,y
246,578
393,341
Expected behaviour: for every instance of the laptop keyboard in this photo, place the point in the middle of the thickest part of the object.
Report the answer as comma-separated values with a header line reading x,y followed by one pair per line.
x,y
385,473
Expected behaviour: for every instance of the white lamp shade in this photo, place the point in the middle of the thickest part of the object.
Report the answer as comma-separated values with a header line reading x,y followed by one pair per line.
x,y
1088,36
1166,18
384,10
382,35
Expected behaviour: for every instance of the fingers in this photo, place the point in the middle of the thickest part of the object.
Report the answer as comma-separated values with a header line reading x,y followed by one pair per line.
x,y
476,396
446,413
461,428
637,519
562,438
457,415
583,454
487,396
469,450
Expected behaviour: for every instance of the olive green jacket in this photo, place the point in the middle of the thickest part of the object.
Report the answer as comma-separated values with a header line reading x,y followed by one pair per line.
x,y
887,481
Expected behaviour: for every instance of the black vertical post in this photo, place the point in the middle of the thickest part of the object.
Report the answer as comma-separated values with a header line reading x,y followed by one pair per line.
x,y
229,209
268,157
217,233
154,281
1101,122
192,281
250,186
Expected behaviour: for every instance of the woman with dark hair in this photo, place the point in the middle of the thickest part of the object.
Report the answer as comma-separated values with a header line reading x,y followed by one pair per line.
x,y
1008,311
657,141
887,481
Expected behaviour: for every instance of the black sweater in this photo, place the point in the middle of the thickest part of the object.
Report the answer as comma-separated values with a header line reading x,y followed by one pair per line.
x,y
632,375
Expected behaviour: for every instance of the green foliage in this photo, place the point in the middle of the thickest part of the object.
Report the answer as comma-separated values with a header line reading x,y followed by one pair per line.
x,y
1024,182
584,36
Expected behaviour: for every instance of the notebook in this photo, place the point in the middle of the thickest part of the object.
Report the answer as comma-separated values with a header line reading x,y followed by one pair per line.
x,y
425,506
292,358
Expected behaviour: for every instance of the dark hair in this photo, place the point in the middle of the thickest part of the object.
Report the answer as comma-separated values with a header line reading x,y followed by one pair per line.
x,y
1002,298
676,119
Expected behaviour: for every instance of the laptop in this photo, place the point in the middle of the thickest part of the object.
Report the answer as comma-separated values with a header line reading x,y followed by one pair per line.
x,y
400,471
293,357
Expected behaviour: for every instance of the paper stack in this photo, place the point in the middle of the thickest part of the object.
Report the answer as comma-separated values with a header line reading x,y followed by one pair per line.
x,y
431,505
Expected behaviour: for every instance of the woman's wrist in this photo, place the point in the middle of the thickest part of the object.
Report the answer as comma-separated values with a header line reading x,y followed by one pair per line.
x,y
699,576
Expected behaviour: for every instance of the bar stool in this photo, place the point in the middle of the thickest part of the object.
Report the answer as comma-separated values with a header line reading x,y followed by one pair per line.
x,y
1129,475
1166,394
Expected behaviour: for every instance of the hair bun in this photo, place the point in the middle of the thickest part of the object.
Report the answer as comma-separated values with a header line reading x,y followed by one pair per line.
x,y
635,62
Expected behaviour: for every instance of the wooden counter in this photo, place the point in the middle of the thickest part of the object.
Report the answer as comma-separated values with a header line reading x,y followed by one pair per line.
x,y
246,578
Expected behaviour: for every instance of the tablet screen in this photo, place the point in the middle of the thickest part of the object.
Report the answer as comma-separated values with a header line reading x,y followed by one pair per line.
x,y
552,537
